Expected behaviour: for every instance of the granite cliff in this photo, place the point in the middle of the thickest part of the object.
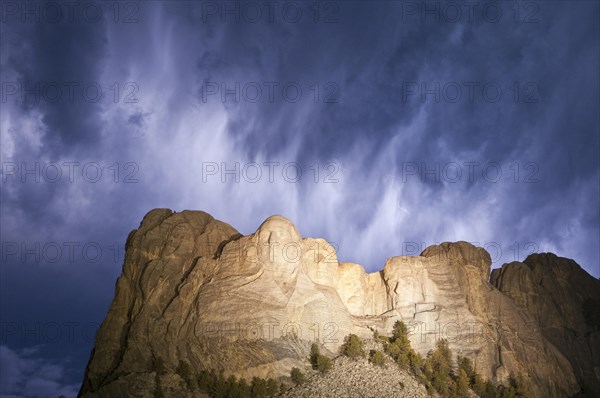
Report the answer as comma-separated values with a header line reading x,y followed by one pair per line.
x,y
565,301
193,290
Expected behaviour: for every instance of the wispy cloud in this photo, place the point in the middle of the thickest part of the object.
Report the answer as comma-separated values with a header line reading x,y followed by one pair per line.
x,y
366,106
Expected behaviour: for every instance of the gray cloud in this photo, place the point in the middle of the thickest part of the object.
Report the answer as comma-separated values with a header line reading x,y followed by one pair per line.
x,y
372,207
24,375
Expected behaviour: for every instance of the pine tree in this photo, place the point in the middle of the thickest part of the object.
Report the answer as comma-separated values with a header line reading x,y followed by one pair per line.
x,y
184,370
324,363
400,331
437,367
353,347
479,385
244,388
466,364
219,385
297,376
283,388
377,358
272,387
258,388
314,355
462,383
158,392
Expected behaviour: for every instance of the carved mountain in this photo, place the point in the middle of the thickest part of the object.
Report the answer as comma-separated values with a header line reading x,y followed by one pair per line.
x,y
195,291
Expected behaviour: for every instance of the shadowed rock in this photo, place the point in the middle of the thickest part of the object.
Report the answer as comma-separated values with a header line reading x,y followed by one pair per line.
x,y
565,301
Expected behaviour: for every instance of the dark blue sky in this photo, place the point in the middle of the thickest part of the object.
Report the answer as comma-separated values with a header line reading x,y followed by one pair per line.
x,y
411,124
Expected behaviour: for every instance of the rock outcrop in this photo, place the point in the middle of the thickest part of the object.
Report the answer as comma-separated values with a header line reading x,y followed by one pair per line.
x,y
194,291
565,301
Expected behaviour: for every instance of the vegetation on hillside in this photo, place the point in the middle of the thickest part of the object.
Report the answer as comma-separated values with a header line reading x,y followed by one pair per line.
x,y
297,376
318,361
353,347
438,374
436,371
217,386
377,358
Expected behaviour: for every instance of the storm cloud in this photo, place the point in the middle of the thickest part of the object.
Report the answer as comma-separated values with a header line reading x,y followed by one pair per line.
x,y
383,127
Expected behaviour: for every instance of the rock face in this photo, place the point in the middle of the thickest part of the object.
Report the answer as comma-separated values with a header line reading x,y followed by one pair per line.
x,y
194,291
565,301
444,293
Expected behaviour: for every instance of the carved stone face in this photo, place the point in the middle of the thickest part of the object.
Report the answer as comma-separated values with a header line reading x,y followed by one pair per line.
x,y
279,242
279,228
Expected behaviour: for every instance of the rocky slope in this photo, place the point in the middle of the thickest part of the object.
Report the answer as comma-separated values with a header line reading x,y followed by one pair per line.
x,y
565,301
194,291
360,379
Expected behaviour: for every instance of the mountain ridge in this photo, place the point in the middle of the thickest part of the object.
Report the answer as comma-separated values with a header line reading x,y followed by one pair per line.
x,y
189,279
